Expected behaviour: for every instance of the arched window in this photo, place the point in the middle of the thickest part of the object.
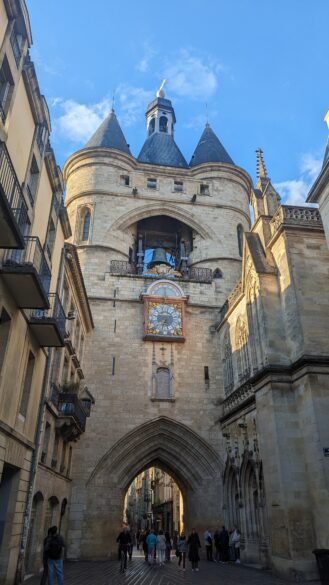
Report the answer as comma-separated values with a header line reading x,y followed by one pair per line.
x,y
85,226
163,384
217,274
163,124
239,230
151,126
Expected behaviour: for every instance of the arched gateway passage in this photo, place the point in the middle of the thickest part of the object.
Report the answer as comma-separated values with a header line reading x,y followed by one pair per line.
x,y
164,443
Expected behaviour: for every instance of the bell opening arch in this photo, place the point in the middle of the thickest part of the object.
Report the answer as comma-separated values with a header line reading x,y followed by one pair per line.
x,y
164,443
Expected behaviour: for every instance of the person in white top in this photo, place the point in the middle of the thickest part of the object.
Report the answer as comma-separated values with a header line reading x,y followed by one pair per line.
x,y
235,540
161,548
208,544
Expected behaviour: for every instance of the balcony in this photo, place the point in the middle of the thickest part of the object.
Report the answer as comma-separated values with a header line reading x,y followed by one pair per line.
x,y
194,274
13,209
27,275
71,413
48,325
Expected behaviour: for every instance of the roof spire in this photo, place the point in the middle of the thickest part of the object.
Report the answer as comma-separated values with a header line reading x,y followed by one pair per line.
x,y
326,118
113,101
261,168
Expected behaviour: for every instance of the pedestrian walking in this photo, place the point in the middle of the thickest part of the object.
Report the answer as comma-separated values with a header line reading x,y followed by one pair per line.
x,y
124,540
182,550
161,548
143,537
138,539
224,543
235,539
54,550
44,576
208,544
168,546
193,550
151,541
217,546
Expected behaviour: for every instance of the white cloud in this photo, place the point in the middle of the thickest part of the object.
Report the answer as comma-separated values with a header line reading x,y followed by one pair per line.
x,y
131,103
144,64
79,121
295,191
192,76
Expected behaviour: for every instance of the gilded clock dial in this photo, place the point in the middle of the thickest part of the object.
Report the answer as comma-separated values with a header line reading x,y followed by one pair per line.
x,y
165,320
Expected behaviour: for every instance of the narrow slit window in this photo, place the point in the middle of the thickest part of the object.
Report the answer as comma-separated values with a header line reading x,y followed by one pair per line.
x,y
86,226
115,326
206,374
113,366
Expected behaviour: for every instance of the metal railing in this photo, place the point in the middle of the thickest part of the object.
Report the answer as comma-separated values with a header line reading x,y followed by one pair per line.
x,y
55,311
123,267
11,187
31,255
69,404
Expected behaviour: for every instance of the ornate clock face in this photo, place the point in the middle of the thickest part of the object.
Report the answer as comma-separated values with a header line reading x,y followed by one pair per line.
x,y
164,319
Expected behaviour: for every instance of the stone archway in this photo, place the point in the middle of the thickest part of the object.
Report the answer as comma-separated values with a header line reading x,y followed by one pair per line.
x,y
170,445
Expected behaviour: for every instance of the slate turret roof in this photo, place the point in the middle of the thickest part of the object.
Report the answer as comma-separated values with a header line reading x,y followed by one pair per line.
x,y
109,135
326,155
161,149
210,149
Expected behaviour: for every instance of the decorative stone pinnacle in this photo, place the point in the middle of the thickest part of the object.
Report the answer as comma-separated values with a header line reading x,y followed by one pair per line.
x,y
326,118
261,169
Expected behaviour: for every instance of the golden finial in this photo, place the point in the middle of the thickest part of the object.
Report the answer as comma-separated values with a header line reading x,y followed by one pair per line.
x,y
160,92
326,118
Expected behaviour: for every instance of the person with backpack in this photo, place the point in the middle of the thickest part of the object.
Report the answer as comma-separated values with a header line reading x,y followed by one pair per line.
x,y
54,550
44,577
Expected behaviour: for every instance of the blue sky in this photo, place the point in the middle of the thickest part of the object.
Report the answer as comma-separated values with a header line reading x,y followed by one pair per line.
x,y
260,66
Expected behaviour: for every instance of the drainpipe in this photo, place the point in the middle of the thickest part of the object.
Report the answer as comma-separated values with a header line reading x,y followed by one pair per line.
x,y
19,576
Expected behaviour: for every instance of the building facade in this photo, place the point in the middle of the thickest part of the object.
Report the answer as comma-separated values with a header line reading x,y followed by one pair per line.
x,y
41,290
209,357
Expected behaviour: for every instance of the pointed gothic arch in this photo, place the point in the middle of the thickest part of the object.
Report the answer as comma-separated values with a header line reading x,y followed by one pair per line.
x,y
164,442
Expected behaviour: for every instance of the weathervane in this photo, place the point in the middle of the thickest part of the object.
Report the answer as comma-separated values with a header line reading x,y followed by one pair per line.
x,y
160,92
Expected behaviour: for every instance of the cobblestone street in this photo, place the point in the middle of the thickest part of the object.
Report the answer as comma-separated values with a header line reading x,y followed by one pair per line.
x,y
138,573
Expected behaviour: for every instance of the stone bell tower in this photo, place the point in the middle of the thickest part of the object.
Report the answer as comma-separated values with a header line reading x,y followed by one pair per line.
x,y
160,247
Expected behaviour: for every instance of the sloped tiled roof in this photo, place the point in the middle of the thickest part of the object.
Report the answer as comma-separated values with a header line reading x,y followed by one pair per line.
x,y
161,149
109,135
210,149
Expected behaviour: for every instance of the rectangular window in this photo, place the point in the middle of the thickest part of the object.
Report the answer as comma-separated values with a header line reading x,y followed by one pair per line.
x,y
55,451
178,186
6,88
4,335
41,137
50,240
27,384
151,183
125,180
115,326
113,366
206,374
204,189
33,180
46,439
16,42
63,457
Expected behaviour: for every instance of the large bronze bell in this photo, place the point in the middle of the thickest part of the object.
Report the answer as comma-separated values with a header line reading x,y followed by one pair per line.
x,y
158,257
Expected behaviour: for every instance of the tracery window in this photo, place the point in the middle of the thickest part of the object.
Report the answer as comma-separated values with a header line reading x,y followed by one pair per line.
x,y
242,349
228,365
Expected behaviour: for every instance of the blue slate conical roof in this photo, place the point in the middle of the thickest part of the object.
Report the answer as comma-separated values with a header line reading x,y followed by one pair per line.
x,y
161,149
109,135
210,149
326,155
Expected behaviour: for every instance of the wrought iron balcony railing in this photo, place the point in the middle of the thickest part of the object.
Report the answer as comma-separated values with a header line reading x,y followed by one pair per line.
x,y
124,268
69,404
11,187
31,256
49,324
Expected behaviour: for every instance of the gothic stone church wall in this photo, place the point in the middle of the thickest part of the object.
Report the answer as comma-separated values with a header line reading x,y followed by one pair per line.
x,y
121,364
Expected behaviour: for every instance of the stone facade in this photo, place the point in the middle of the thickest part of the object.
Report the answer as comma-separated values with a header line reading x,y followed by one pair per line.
x,y
242,429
